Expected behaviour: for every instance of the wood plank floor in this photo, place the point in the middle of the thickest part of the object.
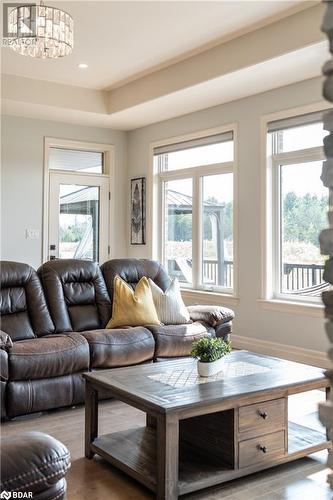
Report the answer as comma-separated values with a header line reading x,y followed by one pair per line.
x,y
97,480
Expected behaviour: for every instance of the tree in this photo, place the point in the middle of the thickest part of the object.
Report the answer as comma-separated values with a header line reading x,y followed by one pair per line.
x,y
303,217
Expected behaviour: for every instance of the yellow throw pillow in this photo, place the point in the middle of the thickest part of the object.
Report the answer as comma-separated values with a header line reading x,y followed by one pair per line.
x,y
132,308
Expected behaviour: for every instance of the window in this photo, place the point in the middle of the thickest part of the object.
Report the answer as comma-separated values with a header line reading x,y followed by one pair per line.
x,y
76,160
79,222
299,207
195,180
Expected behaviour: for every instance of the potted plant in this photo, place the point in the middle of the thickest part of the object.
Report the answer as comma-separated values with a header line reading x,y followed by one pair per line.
x,y
209,352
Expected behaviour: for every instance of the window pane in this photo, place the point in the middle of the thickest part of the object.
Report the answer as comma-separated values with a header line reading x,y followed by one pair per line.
x,y
75,160
78,222
217,227
178,229
194,157
303,216
303,137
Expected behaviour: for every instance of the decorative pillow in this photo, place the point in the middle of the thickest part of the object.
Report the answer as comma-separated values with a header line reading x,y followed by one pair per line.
x,y
132,308
169,305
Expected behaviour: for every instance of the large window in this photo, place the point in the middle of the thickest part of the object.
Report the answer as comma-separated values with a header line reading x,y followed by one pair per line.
x,y
195,180
299,207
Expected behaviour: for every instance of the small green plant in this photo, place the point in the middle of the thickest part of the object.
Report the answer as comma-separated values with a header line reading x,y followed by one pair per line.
x,y
209,349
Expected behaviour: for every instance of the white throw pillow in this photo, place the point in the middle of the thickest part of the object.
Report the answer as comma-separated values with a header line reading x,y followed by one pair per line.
x,y
169,305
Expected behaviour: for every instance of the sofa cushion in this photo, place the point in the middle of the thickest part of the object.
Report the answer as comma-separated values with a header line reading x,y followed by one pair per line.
x,y
176,340
169,305
32,462
119,346
23,308
76,294
132,307
49,356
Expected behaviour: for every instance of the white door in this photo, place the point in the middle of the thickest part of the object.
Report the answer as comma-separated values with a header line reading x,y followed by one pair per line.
x,y
78,217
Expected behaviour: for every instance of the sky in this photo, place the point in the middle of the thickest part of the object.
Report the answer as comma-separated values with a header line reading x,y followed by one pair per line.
x,y
303,178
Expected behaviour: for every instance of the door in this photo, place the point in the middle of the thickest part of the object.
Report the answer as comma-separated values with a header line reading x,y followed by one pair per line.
x,y
78,216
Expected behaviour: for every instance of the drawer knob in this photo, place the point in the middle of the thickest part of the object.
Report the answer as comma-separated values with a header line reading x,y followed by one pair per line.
x,y
263,448
263,414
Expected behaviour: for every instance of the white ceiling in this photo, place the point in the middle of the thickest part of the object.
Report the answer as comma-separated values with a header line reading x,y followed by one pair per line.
x,y
290,68
121,40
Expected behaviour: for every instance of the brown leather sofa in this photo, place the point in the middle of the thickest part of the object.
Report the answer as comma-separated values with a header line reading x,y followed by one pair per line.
x,y
53,329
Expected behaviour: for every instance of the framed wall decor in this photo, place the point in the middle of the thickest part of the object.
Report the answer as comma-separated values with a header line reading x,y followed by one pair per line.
x,y
138,211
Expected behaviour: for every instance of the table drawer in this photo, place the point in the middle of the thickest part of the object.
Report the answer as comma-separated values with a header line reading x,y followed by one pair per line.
x,y
262,417
261,449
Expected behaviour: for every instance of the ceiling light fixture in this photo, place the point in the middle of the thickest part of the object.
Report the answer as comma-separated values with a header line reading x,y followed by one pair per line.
x,y
83,66
40,31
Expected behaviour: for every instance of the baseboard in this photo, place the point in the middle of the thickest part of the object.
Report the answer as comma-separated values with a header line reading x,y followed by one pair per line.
x,y
292,353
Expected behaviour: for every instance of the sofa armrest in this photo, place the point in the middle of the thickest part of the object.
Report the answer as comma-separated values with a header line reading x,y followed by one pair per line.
x,y
5,341
212,315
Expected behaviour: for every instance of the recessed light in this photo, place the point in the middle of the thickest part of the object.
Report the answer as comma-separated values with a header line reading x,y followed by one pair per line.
x,y
83,66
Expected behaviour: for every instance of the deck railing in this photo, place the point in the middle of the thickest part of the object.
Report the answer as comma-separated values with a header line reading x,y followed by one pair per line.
x,y
295,276
211,272
301,276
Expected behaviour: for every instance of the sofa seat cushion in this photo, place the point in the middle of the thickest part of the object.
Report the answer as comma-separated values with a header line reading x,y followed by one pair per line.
x,y
49,356
32,462
110,348
176,340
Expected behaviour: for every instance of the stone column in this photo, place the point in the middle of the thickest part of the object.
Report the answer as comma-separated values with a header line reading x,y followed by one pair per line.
x,y
326,236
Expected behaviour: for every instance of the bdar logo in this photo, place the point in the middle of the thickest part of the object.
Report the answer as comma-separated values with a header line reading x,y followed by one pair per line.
x,y
6,495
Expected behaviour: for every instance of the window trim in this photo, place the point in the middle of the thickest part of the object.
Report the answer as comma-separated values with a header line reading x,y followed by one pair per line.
x,y
155,203
108,151
267,295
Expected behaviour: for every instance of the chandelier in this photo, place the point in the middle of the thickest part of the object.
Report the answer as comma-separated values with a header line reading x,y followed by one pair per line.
x,y
40,31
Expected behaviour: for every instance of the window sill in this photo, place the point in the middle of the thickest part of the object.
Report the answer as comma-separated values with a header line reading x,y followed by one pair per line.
x,y
205,297
300,308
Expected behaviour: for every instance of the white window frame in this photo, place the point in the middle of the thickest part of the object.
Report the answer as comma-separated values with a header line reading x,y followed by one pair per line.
x,y
270,272
108,151
156,213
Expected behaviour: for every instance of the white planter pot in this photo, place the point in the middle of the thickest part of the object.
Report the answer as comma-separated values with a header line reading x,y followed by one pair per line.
x,y
209,369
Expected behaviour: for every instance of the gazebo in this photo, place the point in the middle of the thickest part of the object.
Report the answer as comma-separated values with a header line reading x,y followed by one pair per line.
x,y
179,203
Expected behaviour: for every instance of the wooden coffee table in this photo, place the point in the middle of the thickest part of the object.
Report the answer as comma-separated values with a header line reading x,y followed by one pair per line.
x,y
202,432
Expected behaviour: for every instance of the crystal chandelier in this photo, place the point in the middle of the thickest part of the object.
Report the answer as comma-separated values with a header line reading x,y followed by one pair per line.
x,y
40,31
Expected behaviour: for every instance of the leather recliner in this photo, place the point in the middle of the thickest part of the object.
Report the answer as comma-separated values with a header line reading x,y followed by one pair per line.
x,y
43,369
78,301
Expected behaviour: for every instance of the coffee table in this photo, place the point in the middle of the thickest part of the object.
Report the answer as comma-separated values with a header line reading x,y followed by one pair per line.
x,y
202,432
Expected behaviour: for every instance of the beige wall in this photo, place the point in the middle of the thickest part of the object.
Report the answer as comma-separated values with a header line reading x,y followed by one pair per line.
x,y
22,182
251,320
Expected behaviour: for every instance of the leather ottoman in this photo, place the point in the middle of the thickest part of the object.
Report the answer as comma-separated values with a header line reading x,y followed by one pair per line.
x,y
35,464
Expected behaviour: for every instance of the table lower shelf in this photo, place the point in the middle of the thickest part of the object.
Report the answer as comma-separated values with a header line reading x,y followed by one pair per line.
x,y
134,452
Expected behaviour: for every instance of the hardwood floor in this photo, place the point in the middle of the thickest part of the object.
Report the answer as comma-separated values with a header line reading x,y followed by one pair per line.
x,y
95,479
